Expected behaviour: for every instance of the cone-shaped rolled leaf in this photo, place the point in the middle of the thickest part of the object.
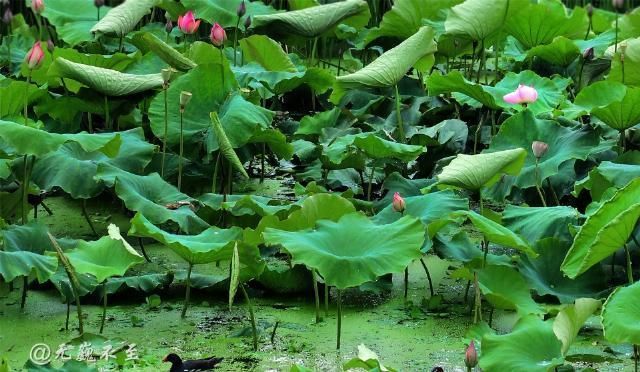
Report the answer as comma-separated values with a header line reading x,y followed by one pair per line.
x,y
234,279
151,195
353,250
213,244
225,146
569,320
124,17
506,289
22,140
147,41
105,81
73,21
103,258
615,104
605,231
315,21
473,172
531,346
391,66
621,315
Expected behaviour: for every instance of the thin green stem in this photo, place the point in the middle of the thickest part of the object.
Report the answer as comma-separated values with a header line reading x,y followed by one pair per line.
x,y
222,66
371,175
73,279
86,217
26,99
235,42
252,316
25,287
25,188
181,150
615,46
187,294
90,120
104,306
339,332
629,264
166,129
406,282
107,121
426,270
214,181
537,177
326,300
316,295
401,135
477,315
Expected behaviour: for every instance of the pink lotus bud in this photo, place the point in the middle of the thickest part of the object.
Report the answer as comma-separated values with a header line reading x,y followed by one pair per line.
x,y
539,148
50,46
588,54
398,203
618,4
523,95
37,6
35,56
188,24
471,356
242,9
218,36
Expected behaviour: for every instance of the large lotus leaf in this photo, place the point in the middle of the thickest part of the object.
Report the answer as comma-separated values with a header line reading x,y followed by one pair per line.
x,y
267,53
124,17
146,41
73,23
506,289
561,51
569,320
224,11
479,19
103,258
314,124
145,283
473,172
317,20
622,114
242,205
212,244
454,81
607,175
24,263
620,315
31,237
539,24
270,83
565,144
627,71
539,223
372,146
87,284
23,140
605,231
545,277
531,346
454,244
13,94
407,16
150,196
391,66
73,169
105,81
353,250
5,169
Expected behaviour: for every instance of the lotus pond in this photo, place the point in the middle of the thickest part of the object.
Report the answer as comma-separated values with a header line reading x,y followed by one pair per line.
x,y
319,185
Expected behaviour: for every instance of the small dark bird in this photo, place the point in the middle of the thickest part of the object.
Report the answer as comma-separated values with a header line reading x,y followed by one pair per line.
x,y
437,369
178,365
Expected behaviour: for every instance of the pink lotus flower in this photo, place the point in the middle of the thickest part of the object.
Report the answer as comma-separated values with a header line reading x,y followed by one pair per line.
x,y
37,6
398,203
523,95
35,56
471,356
188,23
218,36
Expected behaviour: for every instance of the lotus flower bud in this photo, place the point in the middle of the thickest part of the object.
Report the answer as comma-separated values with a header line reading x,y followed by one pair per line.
x,y
242,9
523,95
618,4
588,54
398,203
7,17
185,97
35,56
166,76
589,9
471,355
50,46
37,6
247,23
218,36
188,23
98,3
539,149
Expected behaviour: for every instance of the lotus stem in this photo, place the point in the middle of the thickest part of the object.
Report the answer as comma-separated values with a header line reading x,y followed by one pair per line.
x,y
482,57
589,26
262,161
235,43
73,279
313,62
26,99
104,306
86,217
485,245
98,13
371,175
25,188
401,135
629,264
252,316
636,356
406,282
144,252
426,270
121,46
90,121
623,141
166,129
222,66
25,285
326,300
316,295
214,181
466,291
66,323
339,318
273,333
181,150
107,119
477,314
615,46
537,176
187,294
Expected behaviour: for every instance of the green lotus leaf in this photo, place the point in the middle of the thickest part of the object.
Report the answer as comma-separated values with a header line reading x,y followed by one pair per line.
x,y
407,16
454,81
627,71
615,104
124,17
342,150
13,94
23,140
73,23
545,277
317,20
224,11
243,205
480,19
536,223
561,51
473,172
103,258
150,196
225,146
24,263
313,125
629,24
391,66
605,231
538,24
5,168
145,283
212,244
270,83
506,289
31,237
147,41
353,250
607,175
73,169
531,346
105,81
60,280
454,243
267,53
570,319
620,315
565,144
